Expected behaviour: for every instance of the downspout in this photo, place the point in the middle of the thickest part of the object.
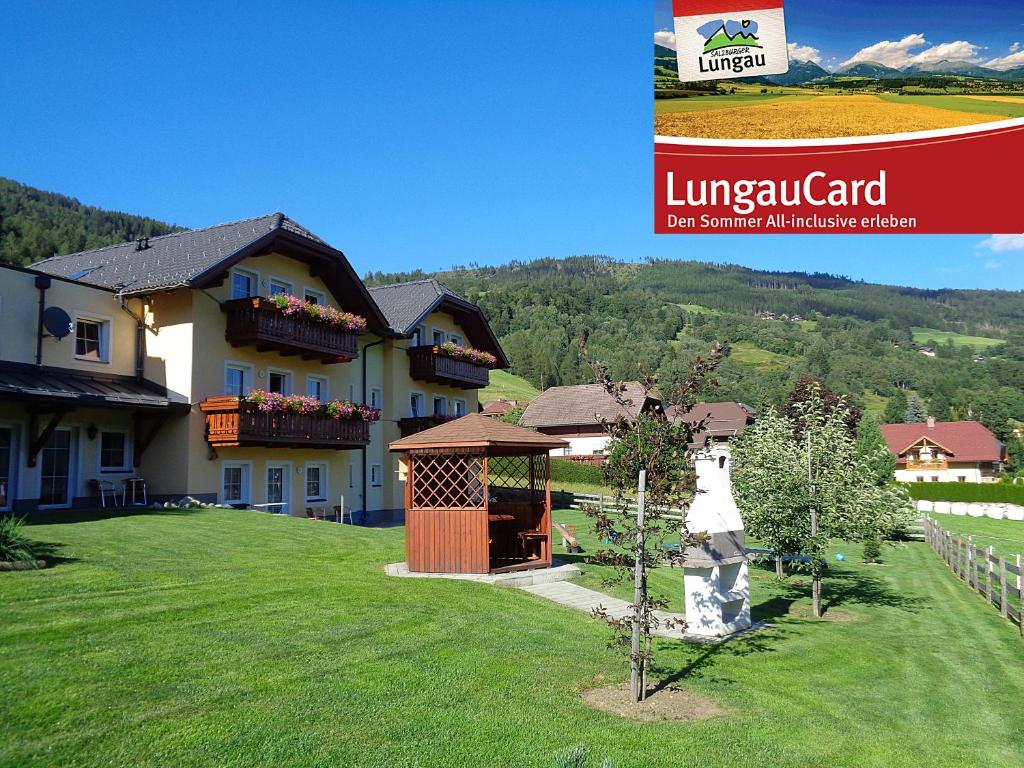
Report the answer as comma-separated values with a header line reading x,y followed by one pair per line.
x,y
42,283
140,339
366,482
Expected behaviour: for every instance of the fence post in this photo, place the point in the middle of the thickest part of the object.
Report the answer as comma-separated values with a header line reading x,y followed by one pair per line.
x,y
1004,595
1020,601
959,569
989,552
972,568
947,546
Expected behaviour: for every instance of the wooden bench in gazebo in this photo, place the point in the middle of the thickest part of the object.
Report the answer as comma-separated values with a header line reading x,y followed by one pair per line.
x,y
477,497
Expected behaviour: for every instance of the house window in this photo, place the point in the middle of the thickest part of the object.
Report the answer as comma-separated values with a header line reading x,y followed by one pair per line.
x,y
455,339
351,475
277,286
315,297
567,451
280,382
458,408
935,478
113,451
419,336
316,386
440,405
376,475
237,379
961,479
438,337
316,482
243,284
235,483
920,478
91,339
415,404
376,398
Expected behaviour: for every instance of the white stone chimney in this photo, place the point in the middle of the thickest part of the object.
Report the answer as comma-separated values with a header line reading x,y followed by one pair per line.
x,y
931,422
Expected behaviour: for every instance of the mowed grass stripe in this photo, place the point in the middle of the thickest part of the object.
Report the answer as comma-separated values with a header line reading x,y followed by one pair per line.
x,y
997,108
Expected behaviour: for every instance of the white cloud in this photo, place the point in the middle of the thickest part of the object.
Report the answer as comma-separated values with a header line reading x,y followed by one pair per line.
x,y
666,38
1003,63
900,54
799,52
992,264
1002,243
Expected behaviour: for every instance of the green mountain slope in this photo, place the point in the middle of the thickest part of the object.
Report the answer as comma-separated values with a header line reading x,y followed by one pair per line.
x,y
35,224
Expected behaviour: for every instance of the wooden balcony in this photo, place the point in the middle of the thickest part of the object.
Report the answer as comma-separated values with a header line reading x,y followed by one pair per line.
x,y
427,365
257,322
922,465
414,424
232,422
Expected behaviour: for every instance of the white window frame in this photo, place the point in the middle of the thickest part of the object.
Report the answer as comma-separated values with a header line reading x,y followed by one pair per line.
x,y
436,333
126,464
420,336
106,325
245,482
434,400
423,401
351,393
248,377
73,454
289,379
287,285
320,295
455,338
377,398
452,409
325,384
286,479
324,473
376,475
251,274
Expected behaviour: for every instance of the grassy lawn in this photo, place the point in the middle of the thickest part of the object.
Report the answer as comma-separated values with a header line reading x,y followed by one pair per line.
x,y
506,386
243,639
962,104
924,335
750,354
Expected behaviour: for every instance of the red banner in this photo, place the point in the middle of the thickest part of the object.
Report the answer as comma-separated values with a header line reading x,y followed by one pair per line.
x,y
959,181
703,7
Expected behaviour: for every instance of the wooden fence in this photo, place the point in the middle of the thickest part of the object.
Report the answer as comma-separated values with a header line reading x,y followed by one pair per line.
x,y
997,579
609,502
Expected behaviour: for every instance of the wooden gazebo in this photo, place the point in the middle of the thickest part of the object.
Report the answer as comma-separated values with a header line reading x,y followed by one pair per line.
x,y
477,497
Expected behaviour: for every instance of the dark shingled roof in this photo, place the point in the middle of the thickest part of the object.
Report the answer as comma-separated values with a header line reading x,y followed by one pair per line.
x,y
477,430
21,381
714,419
196,258
583,405
406,304
170,261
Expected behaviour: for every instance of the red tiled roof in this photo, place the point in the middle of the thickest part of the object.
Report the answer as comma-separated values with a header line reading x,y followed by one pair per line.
x,y
497,408
964,440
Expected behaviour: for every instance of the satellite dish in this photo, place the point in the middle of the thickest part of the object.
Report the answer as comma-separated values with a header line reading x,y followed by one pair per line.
x,y
57,322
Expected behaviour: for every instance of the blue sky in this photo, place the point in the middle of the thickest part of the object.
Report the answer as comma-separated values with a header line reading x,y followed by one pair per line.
x,y
406,134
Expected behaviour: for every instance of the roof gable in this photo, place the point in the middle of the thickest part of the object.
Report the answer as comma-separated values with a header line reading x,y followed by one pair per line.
x,y
197,258
583,405
963,440
476,430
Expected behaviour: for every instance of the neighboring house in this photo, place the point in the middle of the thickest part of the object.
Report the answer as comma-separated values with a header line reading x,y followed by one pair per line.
x,y
170,334
499,407
576,414
945,452
927,351
713,422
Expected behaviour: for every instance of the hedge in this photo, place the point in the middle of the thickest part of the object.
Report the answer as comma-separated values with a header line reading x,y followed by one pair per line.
x,y
565,471
996,493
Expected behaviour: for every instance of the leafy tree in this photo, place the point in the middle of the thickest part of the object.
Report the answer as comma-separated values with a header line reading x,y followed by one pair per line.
x,y
896,408
821,487
872,448
655,448
512,415
807,389
915,411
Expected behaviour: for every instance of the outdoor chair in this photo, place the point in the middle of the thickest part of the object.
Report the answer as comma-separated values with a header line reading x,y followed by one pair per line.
x,y
132,486
340,511
101,488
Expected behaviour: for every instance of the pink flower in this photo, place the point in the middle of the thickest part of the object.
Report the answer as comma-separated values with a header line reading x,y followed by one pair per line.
x,y
321,313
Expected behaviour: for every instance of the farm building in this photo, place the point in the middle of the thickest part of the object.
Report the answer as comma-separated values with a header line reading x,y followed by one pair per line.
x,y
945,452
577,413
713,421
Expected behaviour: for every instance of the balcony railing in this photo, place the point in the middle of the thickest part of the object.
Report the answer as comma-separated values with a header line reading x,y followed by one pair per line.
x,y
427,365
255,321
912,464
231,421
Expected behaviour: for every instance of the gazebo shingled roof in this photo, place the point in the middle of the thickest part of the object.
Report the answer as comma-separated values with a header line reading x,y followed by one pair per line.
x,y
476,430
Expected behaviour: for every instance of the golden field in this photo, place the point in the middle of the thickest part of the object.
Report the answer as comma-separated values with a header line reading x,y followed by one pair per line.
x,y
1004,99
820,118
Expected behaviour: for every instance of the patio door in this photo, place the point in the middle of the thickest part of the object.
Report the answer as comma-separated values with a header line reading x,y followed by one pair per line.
x,y
55,470
6,466
278,479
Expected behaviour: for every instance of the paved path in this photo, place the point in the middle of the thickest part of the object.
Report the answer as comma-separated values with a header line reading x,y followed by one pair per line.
x,y
583,599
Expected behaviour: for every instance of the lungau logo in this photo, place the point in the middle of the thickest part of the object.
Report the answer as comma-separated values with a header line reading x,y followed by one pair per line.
x,y
730,46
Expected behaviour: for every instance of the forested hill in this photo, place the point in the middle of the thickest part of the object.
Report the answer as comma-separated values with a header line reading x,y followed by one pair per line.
x,y
35,224
862,339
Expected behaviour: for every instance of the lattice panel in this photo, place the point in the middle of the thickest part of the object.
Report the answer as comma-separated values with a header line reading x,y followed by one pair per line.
x,y
509,472
448,482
